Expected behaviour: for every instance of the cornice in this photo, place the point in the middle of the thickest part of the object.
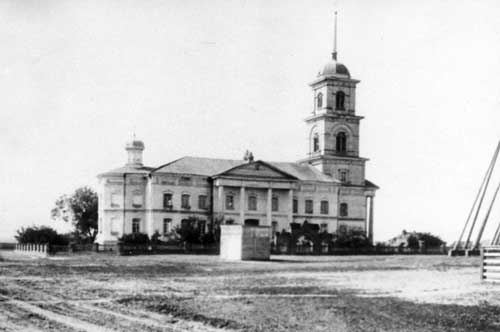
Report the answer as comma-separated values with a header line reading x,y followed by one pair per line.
x,y
327,79
334,116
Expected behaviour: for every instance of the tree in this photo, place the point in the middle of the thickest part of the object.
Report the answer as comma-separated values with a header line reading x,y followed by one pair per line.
x,y
81,210
189,230
40,235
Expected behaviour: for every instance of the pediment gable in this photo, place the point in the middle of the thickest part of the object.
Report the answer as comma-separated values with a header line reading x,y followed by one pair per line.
x,y
257,169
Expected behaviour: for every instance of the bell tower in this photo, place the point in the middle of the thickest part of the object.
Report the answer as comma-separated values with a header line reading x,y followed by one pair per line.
x,y
333,126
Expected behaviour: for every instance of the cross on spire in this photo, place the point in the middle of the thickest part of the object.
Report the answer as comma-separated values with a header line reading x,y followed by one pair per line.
x,y
334,53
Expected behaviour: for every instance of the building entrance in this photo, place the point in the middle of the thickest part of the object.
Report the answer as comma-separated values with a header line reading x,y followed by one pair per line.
x,y
251,222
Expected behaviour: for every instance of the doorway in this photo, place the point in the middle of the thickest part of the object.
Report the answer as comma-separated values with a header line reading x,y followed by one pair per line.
x,y
251,222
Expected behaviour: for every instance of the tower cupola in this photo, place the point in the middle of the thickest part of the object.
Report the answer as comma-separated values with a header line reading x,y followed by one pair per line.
x,y
134,150
333,68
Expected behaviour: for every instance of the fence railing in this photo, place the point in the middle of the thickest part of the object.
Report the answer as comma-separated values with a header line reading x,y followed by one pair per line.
x,y
149,249
328,250
490,264
33,249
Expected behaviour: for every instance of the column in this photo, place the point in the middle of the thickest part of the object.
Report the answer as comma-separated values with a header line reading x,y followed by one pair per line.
x,y
148,200
367,216
242,205
220,199
290,207
269,206
370,221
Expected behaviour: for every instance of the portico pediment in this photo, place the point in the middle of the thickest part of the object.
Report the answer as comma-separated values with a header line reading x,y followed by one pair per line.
x,y
256,170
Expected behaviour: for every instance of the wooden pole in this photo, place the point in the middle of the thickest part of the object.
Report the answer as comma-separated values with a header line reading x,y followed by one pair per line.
x,y
457,244
494,241
493,162
486,217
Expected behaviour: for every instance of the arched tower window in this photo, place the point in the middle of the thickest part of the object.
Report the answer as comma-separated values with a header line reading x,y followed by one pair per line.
x,y
341,142
340,100
315,143
319,100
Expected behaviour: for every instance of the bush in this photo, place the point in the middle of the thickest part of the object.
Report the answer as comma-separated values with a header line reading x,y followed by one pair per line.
x,y
134,238
189,231
40,235
352,239
431,240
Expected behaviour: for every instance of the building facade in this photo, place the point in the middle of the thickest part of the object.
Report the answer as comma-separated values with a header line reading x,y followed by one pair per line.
x,y
327,188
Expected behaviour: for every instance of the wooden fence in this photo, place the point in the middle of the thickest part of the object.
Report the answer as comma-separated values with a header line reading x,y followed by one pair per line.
x,y
327,250
490,264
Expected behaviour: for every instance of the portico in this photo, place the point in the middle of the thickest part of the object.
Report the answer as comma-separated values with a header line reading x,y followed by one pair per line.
x,y
254,191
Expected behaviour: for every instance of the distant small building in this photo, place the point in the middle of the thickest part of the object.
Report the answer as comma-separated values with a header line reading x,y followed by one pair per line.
x,y
327,188
402,239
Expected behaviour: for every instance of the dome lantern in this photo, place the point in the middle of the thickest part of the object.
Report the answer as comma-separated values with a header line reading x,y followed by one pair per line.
x,y
134,150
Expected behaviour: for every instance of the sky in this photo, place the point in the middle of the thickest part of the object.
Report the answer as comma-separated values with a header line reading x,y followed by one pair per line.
x,y
214,78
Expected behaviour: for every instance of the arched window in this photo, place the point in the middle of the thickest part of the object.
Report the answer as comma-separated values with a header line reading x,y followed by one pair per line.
x,y
319,100
344,210
341,142
315,143
340,99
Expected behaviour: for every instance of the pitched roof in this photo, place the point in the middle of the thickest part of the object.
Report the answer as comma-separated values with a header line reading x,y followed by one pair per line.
x,y
213,166
370,184
198,166
304,172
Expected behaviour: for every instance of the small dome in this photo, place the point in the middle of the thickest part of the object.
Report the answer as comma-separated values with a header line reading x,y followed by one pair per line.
x,y
134,145
334,68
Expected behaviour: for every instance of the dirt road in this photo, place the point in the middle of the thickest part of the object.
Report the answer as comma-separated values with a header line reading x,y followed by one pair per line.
x,y
201,293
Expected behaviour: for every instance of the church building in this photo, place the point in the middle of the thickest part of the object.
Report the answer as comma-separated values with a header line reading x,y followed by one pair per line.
x,y
327,188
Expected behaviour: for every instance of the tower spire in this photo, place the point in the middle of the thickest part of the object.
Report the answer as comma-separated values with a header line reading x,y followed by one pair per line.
x,y
334,53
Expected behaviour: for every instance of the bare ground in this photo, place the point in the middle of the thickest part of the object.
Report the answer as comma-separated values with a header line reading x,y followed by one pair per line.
x,y
202,293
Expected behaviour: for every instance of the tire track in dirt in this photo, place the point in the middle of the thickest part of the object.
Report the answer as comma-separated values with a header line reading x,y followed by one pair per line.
x,y
152,320
14,318
6,323
158,320
62,319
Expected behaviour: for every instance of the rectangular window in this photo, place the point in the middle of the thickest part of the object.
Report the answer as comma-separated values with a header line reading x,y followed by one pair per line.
x,y
324,207
274,228
185,181
229,202
324,228
167,201
295,206
309,206
137,200
202,224
115,200
252,203
166,226
114,226
202,202
185,201
136,225
275,204
344,210
344,175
